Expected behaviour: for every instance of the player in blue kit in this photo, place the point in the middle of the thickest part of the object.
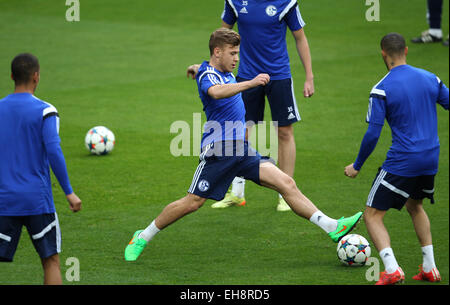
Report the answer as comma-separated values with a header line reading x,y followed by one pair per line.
x,y
406,97
262,26
225,153
29,143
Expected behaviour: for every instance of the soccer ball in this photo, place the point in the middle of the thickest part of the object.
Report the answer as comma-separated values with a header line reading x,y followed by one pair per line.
x,y
353,250
99,140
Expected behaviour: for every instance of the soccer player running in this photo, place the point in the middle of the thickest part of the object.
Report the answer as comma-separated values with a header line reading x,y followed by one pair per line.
x,y
406,97
29,143
225,154
263,25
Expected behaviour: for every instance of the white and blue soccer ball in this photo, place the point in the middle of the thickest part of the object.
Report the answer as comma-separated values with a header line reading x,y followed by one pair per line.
x,y
353,250
100,140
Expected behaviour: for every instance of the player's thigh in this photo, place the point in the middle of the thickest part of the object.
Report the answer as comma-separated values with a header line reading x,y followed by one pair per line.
x,y
283,105
45,233
389,191
414,206
423,188
272,177
10,230
213,177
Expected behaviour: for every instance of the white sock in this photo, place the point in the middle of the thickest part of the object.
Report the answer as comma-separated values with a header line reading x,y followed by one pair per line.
x,y
435,32
428,258
389,261
323,221
238,188
149,232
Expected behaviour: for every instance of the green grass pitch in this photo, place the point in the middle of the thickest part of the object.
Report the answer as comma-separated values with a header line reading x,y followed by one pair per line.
x,y
123,66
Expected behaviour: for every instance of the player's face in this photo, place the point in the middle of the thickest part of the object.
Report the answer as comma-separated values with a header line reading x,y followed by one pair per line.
x,y
229,57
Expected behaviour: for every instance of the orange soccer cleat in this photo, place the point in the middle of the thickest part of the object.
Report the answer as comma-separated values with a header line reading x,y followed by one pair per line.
x,y
432,276
391,278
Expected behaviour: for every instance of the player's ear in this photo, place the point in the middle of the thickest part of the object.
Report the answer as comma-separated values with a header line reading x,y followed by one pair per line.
x,y
217,51
36,77
12,76
406,50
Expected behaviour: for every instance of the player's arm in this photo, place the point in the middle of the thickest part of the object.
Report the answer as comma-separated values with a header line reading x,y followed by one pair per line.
x,y
219,91
375,117
301,43
443,98
229,15
368,144
56,159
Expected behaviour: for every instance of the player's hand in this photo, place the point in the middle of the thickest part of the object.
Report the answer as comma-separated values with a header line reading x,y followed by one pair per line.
x,y
350,171
192,71
74,202
261,80
308,89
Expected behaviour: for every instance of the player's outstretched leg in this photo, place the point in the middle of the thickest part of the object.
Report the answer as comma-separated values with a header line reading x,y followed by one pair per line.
x,y
272,177
171,213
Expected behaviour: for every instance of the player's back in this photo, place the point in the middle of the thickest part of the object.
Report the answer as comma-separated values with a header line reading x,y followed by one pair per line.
x,y
411,95
25,187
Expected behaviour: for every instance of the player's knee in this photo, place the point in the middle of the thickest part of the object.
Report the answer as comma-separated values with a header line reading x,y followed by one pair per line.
x,y
194,203
372,215
414,208
289,184
51,261
285,133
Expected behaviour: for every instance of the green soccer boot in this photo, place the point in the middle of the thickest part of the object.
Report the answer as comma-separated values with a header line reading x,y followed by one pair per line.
x,y
135,247
345,225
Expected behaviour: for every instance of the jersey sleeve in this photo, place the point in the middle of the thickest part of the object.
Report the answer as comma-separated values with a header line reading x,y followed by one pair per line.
x,y
368,144
50,129
377,107
207,80
292,16
229,14
50,133
443,98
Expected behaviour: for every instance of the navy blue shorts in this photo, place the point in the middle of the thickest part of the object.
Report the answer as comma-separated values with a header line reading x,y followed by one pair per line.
x,y
280,94
218,165
43,229
392,191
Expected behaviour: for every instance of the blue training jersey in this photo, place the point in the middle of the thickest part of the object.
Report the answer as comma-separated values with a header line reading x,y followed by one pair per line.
x,y
406,97
225,117
262,26
27,126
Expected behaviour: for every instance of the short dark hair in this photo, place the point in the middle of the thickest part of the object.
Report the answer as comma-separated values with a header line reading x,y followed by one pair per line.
x,y
393,44
23,67
221,37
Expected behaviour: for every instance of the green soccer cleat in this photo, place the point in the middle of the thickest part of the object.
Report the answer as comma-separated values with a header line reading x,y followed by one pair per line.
x,y
345,225
135,247
228,201
282,205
